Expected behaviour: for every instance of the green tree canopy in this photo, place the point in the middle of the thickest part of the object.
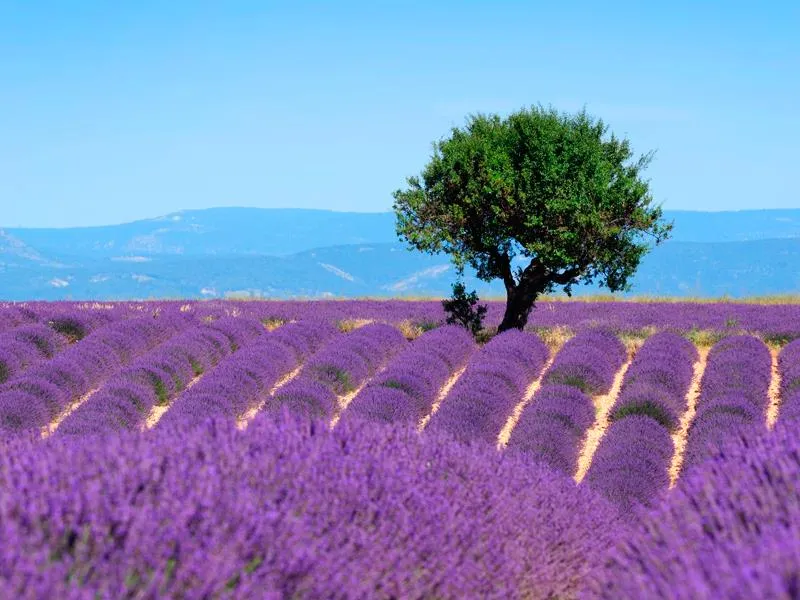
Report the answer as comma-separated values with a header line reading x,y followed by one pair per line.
x,y
549,188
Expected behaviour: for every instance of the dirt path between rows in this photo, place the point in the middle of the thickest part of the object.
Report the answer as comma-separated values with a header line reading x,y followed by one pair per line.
x,y
603,404
158,411
527,397
440,397
247,417
50,428
774,389
680,436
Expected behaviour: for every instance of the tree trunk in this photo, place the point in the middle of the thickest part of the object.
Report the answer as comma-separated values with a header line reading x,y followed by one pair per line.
x,y
519,302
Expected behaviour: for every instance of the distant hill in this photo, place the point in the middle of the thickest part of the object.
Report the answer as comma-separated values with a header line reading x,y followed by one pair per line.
x,y
310,253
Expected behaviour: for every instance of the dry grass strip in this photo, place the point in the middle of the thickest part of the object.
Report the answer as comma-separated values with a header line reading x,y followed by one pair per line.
x,y
692,395
49,429
245,419
348,325
442,394
603,404
555,337
513,419
774,389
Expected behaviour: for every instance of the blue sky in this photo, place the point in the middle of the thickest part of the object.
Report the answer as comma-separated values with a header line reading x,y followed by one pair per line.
x,y
114,111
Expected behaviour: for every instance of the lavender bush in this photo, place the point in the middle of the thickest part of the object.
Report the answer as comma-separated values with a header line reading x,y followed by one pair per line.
x,y
733,394
588,361
657,380
789,369
553,426
289,508
730,529
631,464
496,377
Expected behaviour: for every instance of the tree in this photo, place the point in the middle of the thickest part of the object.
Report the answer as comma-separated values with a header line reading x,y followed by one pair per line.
x,y
538,199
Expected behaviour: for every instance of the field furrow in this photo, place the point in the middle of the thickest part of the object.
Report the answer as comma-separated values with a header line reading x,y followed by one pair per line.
x,y
445,389
603,404
51,428
530,392
248,416
679,437
774,389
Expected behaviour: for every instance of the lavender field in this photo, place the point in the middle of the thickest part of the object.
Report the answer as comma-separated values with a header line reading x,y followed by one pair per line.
x,y
366,449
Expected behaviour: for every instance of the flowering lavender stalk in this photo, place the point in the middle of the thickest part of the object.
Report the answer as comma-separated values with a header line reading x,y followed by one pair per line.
x,y
479,404
289,508
733,394
789,369
76,370
632,462
242,380
347,361
588,361
552,427
657,381
407,388
730,529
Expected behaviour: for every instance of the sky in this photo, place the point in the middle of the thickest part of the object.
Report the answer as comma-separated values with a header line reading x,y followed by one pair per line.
x,y
117,111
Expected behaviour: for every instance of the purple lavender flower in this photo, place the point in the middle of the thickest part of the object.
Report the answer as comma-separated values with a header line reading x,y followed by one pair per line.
x,y
289,508
21,411
588,361
728,530
306,396
385,404
551,428
631,464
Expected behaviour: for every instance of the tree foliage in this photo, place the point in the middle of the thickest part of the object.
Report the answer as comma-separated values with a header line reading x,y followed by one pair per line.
x,y
538,199
461,309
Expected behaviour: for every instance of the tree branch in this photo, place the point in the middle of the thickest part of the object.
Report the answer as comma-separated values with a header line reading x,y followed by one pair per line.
x,y
567,276
504,264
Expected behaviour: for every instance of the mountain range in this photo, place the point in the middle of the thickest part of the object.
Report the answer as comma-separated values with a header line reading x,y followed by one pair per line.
x,y
285,253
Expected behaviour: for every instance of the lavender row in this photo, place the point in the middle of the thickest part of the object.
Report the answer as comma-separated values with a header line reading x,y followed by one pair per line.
x,y
733,394
290,509
25,346
12,316
44,391
552,427
789,369
780,321
241,381
588,361
657,380
339,367
730,529
495,380
157,377
631,464
406,390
